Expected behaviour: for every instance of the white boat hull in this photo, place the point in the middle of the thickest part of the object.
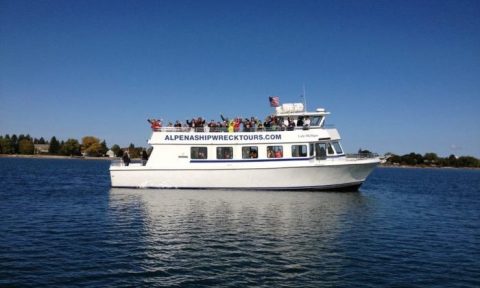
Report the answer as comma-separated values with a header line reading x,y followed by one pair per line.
x,y
343,175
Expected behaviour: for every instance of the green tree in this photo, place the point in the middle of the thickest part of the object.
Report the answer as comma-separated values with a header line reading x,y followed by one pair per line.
x,y
9,148
408,159
117,150
468,161
6,145
60,151
91,146
451,161
135,152
25,146
104,148
14,141
430,158
71,147
54,146
412,159
364,151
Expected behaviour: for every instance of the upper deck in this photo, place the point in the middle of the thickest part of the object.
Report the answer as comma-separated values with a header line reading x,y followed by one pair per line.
x,y
289,122
289,116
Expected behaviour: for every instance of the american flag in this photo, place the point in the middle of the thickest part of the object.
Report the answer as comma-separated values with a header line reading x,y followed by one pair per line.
x,y
274,101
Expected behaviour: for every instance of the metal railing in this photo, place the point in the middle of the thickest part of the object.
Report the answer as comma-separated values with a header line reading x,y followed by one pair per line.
x,y
119,162
225,129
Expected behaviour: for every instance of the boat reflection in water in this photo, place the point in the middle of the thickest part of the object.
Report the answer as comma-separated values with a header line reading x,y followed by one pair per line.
x,y
230,236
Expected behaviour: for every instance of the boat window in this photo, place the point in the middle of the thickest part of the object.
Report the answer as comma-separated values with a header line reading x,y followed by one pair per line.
x,y
198,153
275,151
316,120
311,149
330,149
299,150
321,150
337,147
249,152
224,152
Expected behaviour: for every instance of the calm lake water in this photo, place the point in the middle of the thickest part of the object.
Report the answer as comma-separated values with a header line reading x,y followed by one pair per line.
x,y
62,225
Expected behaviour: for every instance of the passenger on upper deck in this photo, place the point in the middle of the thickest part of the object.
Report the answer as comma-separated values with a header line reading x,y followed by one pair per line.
x,y
300,121
267,123
249,125
155,124
271,123
260,127
291,124
231,126
306,123
197,124
191,123
236,124
212,126
275,123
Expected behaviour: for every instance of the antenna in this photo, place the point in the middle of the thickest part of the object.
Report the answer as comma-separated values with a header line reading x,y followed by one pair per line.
x,y
304,96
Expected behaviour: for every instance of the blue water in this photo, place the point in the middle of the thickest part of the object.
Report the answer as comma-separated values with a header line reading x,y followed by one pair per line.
x,y
61,225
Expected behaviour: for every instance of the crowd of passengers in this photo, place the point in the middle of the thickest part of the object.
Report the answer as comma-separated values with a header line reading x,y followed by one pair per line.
x,y
271,123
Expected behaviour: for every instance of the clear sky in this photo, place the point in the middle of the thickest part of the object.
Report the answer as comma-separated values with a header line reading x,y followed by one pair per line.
x,y
398,76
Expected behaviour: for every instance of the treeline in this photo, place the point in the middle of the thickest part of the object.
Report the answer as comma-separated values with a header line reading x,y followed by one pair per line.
x,y
432,160
89,146
93,147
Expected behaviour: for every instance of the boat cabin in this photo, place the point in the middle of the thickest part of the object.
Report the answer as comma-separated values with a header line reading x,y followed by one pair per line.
x,y
297,135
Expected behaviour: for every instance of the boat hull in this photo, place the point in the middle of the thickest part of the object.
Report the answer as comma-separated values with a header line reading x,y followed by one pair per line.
x,y
334,176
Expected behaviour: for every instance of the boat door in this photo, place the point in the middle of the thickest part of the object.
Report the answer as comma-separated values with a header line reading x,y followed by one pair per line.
x,y
320,151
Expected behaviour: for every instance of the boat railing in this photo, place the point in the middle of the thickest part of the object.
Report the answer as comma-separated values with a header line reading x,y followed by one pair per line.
x,y
225,129
119,163
362,155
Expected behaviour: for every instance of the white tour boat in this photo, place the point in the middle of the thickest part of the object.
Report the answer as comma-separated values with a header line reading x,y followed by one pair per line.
x,y
289,155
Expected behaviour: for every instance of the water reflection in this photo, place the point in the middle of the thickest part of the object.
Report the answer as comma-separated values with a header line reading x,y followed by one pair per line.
x,y
232,232
275,213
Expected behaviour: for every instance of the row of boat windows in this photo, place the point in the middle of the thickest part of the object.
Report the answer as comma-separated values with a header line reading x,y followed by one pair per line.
x,y
321,150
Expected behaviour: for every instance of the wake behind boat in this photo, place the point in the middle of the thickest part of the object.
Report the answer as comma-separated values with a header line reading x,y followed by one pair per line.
x,y
291,150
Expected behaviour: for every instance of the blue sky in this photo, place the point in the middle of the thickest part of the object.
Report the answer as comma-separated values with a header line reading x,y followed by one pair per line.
x,y
398,76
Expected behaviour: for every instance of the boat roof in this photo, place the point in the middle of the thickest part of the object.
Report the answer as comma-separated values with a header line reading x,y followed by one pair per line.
x,y
298,109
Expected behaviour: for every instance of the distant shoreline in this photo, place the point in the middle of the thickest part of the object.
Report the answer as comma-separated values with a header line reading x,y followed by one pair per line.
x,y
37,156
425,167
